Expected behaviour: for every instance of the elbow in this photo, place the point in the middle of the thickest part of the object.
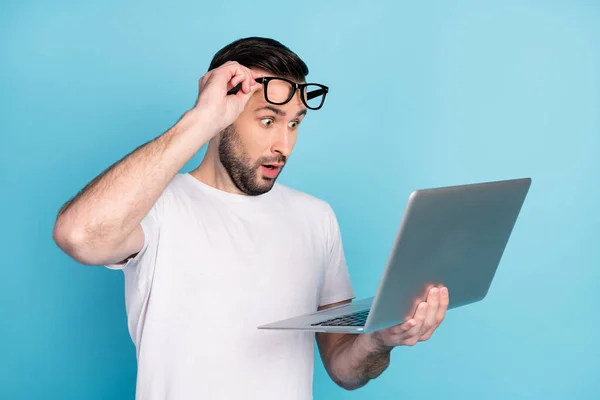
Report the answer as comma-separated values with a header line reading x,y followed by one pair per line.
x,y
349,386
75,242
346,383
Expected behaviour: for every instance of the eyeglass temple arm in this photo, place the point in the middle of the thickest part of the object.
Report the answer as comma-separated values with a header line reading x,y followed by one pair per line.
x,y
237,87
314,93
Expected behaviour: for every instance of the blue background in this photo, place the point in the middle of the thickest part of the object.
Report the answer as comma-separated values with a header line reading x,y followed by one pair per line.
x,y
422,94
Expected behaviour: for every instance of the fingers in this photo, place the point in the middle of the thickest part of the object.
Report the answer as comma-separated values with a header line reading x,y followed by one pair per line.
x,y
399,331
444,302
231,74
411,336
430,323
427,318
215,87
439,300
443,306
238,74
241,76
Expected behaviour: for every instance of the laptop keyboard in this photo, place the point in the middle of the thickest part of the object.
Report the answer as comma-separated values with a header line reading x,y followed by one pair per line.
x,y
354,319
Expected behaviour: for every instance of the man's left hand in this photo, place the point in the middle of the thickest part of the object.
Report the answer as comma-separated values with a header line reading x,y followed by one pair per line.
x,y
428,317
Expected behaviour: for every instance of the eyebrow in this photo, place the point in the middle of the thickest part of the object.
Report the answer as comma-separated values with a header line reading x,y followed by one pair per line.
x,y
280,112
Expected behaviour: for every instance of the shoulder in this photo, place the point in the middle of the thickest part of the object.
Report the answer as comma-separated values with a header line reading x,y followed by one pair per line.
x,y
171,196
303,200
313,210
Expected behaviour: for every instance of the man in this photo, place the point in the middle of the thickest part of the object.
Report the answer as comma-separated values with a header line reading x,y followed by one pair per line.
x,y
211,254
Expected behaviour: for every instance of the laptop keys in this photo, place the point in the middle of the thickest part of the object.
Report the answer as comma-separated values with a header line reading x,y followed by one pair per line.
x,y
356,319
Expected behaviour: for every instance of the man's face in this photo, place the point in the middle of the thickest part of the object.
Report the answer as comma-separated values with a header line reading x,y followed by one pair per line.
x,y
255,148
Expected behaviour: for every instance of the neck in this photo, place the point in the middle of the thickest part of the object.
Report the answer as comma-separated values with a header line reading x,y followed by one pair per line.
x,y
212,172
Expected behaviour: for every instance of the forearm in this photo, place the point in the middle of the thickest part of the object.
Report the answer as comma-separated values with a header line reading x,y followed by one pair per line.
x,y
356,360
115,202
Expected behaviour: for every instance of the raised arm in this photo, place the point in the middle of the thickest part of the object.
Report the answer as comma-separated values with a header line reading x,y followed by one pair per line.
x,y
101,224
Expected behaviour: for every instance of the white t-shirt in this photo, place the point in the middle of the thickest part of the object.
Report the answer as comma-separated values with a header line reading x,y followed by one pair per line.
x,y
213,267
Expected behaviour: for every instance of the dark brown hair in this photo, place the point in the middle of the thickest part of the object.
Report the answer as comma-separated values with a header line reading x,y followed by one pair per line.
x,y
263,53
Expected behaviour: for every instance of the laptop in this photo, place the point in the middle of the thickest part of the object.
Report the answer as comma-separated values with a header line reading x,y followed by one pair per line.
x,y
453,236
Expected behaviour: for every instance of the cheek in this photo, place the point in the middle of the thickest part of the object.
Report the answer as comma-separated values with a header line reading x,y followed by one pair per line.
x,y
254,141
293,137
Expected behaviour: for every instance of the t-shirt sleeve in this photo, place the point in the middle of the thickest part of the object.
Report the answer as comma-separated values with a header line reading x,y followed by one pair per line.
x,y
144,259
337,285
139,270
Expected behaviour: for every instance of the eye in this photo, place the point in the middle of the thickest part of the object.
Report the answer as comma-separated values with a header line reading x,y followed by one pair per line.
x,y
267,121
293,124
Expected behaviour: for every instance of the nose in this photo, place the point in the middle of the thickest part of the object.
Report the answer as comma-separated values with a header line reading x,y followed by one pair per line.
x,y
281,142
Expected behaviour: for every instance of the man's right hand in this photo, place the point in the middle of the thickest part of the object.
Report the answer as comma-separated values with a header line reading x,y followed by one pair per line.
x,y
212,98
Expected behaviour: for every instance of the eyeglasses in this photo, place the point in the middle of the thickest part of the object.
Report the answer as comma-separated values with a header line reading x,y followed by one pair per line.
x,y
279,91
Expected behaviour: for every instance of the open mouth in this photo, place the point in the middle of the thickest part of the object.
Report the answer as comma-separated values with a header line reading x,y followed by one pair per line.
x,y
273,166
270,170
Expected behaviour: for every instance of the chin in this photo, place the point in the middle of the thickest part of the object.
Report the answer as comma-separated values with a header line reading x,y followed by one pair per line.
x,y
262,186
266,184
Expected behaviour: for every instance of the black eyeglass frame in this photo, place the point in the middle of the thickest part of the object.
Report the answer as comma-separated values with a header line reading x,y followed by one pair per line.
x,y
323,90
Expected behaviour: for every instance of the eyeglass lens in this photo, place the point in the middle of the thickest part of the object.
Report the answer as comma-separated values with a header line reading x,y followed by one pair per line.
x,y
280,91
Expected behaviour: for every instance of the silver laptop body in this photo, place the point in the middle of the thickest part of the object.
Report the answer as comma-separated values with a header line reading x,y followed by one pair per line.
x,y
453,236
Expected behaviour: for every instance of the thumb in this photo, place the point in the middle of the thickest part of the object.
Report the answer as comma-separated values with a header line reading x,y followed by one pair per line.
x,y
244,97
